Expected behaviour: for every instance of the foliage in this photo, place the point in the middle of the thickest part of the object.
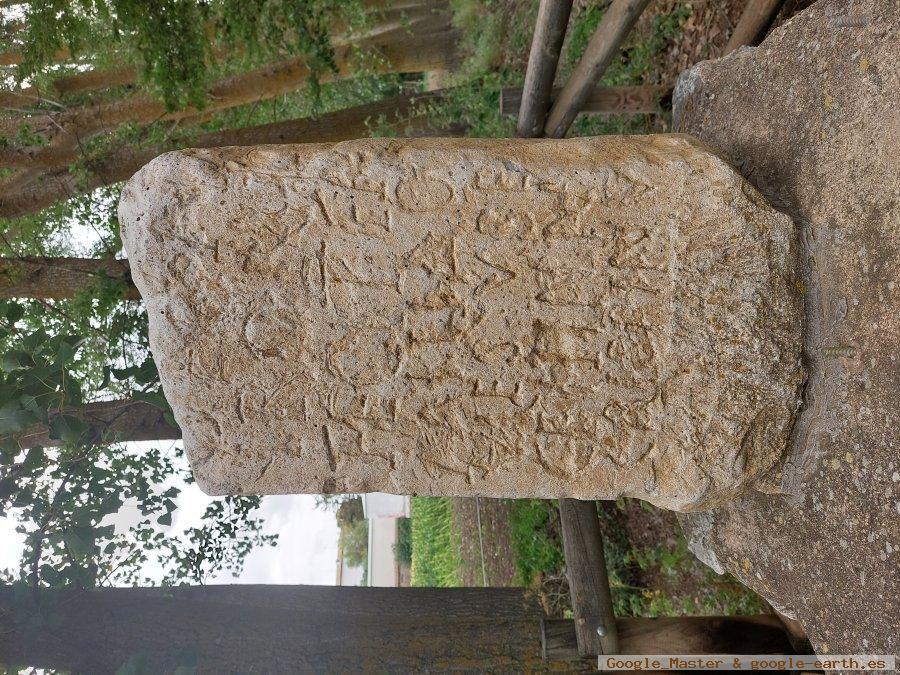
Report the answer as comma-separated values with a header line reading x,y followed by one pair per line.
x,y
435,546
229,533
495,46
354,542
494,40
647,581
403,547
664,580
176,43
535,538
354,529
636,63
63,498
350,510
94,346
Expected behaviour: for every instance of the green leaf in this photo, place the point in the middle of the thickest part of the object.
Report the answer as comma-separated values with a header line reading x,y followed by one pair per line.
x,y
67,428
13,418
9,450
34,458
165,519
65,353
16,360
14,312
78,546
105,532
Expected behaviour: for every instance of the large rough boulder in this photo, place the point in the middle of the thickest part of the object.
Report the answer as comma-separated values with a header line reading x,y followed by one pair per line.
x,y
811,118
584,318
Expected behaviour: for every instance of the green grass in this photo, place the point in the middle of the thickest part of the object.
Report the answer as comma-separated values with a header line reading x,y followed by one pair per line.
x,y
637,61
435,546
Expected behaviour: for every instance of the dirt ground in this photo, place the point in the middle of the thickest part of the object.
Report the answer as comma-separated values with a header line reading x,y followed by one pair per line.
x,y
703,35
499,564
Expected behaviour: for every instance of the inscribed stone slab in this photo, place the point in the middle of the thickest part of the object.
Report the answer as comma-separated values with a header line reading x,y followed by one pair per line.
x,y
586,318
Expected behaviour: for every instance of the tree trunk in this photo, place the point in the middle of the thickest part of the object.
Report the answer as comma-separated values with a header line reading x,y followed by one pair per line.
x,y
107,422
14,57
93,80
270,629
430,46
89,80
59,278
119,165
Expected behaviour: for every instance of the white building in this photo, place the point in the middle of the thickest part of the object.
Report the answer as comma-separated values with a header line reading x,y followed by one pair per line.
x,y
384,505
382,511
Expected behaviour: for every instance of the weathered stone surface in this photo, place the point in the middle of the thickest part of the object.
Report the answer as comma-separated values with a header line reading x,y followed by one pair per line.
x,y
810,117
588,318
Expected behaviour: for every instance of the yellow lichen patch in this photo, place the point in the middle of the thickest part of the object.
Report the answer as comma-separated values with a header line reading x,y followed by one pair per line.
x,y
864,64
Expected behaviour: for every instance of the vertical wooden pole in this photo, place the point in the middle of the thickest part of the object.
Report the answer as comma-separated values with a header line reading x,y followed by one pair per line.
x,y
757,16
595,624
549,32
614,27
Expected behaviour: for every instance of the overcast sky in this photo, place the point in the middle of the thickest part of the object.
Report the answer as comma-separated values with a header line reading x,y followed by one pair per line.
x,y
306,552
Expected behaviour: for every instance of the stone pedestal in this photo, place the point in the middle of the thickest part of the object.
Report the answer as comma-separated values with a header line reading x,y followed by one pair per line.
x,y
586,318
810,118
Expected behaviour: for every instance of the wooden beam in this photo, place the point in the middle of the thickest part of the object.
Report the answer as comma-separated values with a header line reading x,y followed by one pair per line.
x,y
271,629
795,633
549,31
646,98
595,624
615,25
752,26
676,635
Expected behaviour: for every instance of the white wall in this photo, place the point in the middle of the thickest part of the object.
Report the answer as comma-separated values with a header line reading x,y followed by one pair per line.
x,y
383,569
384,505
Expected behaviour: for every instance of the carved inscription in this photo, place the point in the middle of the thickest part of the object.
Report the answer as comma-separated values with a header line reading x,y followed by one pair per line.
x,y
585,318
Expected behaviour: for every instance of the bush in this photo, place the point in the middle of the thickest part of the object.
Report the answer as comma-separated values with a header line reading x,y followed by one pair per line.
x,y
535,539
403,547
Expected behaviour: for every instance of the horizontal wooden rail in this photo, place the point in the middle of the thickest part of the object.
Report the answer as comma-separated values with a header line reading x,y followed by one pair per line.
x,y
761,634
613,100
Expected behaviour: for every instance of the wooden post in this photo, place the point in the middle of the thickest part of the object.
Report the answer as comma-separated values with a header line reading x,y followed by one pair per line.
x,y
582,544
614,27
595,624
646,98
677,635
549,31
751,27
